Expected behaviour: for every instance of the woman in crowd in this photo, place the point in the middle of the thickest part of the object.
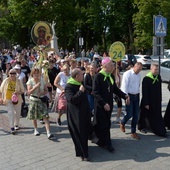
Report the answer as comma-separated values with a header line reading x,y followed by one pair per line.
x,y
12,86
37,108
88,80
21,76
60,82
117,99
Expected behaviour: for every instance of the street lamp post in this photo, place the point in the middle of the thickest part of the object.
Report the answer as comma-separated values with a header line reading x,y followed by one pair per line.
x,y
78,35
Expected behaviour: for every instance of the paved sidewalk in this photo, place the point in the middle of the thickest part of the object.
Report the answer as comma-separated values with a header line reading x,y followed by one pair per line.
x,y
24,151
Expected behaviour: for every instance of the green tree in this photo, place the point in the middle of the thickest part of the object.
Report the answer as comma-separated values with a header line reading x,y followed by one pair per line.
x,y
143,20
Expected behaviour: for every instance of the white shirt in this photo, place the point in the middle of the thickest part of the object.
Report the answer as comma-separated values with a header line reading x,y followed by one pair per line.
x,y
21,76
63,81
131,82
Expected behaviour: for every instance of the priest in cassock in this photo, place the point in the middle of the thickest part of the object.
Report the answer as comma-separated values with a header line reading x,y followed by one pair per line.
x,y
167,112
78,113
103,88
151,108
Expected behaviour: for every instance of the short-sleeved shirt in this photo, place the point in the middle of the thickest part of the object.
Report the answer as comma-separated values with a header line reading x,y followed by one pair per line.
x,y
36,92
10,89
63,81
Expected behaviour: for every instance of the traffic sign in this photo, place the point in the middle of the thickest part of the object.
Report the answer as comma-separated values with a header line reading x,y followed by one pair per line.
x,y
160,26
117,51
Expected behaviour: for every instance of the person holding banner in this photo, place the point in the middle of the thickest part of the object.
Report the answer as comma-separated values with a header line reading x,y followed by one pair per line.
x,y
103,88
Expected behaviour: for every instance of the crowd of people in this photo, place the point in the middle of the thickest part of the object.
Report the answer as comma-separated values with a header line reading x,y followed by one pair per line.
x,y
86,92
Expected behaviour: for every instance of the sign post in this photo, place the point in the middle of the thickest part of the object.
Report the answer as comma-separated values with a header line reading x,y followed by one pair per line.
x,y
160,31
117,52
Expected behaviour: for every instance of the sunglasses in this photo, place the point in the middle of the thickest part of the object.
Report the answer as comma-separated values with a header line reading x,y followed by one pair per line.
x,y
12,73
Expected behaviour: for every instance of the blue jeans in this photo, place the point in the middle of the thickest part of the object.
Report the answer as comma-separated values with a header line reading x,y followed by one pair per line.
x,y
91,101
132,111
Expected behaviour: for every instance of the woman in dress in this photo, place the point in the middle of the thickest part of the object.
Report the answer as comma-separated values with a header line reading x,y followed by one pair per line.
x,y
9,87
37,108
60,82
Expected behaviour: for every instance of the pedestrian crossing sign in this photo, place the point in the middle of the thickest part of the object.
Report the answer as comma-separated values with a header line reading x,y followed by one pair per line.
x,y
160,26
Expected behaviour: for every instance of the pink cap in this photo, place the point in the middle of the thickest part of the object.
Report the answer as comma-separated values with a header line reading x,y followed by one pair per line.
x,y
12,61
106,60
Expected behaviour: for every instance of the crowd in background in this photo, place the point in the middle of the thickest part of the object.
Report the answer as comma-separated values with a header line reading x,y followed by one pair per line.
x,y
93,78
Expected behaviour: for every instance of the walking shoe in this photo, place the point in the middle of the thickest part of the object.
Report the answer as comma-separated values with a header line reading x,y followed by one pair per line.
x,y
50,136
110,148
36,133
85,159
135,136
12,131
41,121
17,128
118,120
59,121
122,127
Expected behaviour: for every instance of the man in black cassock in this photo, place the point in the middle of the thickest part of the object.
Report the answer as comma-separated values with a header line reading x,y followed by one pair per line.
x,y
78,113
103,88
151,114
167,113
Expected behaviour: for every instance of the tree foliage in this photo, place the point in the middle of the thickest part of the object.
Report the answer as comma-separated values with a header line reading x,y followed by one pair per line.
x,y
99,22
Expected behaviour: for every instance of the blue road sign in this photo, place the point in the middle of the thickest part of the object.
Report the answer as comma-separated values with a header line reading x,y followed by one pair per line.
x,y
160,26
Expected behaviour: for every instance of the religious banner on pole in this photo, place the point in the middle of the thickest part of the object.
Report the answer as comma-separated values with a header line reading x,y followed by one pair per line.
x,y
42,33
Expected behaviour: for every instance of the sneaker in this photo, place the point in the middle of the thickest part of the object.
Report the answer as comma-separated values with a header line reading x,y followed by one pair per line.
x,y
36,133
50,136
17,128
12,131
118,120
42,122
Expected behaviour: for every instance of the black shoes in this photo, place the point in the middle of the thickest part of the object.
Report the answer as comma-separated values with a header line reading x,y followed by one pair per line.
x,y
110,148
85,159
59,121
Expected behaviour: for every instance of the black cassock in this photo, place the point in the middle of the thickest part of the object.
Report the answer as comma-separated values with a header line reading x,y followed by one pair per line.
x,y
167,112
152,96
167,116
103,93
78,118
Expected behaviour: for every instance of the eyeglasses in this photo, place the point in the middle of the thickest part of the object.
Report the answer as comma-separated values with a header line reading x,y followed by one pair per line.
x,y
12,73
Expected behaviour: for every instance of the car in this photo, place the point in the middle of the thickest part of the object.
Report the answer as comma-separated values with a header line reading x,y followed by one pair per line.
x,y
83,58
165,70
144,59
128,59
162,58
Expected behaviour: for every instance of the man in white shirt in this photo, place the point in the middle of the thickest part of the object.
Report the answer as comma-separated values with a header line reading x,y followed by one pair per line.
x,y
131,86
